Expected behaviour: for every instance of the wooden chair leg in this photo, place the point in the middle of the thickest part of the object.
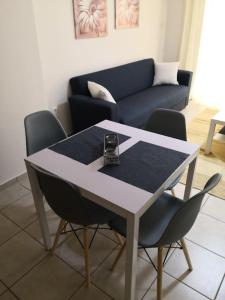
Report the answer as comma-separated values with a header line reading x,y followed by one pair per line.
x,y
61,227
118,256
186,254
86,256
64,227
159,273
173,192
118,237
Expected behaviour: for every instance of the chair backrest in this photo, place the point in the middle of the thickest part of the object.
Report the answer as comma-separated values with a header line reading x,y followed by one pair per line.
x,y
186,215
42,129
67,202
168,122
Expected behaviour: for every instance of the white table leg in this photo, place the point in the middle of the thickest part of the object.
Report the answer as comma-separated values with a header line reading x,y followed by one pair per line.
x,y
210,137
39,204
131,260
189,181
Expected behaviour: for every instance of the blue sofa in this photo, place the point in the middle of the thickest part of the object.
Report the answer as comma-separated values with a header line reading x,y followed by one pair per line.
x,y
131,87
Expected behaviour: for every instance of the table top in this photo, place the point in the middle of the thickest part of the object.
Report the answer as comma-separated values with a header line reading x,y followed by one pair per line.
x,y
111,189
219,117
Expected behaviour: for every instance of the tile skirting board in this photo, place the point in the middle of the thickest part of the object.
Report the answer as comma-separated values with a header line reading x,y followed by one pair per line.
x,y
12,180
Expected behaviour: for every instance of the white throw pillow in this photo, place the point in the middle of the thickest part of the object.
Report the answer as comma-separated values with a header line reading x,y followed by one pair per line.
x,y
166,73
99,91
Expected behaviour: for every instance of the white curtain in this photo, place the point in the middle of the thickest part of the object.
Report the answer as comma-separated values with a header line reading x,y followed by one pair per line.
x,y
194,12
209,84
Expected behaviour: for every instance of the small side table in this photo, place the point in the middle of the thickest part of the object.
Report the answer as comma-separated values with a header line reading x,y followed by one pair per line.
x,y
219,118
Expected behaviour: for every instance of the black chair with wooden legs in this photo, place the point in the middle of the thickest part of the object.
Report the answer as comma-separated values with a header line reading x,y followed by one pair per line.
x,y
42,129
166,222
67,202
170,123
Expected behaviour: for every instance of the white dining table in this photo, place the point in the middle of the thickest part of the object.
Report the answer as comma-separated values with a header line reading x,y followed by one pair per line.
x,y
120,196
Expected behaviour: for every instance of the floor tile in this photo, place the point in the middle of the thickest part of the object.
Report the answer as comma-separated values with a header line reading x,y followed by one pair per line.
x,y
24,181
7,296
8,229
22,211
11,193
179,191
71,251
173,290
221,294
112,282
215,207
53,222
208,269
2,288
51,279
17,256
209,233
91,293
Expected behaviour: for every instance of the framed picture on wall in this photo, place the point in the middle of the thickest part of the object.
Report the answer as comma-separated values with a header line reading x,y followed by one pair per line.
x,y
90,18
127,13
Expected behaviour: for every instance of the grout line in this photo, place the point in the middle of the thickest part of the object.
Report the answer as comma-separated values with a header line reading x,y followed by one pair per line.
x,y
7,205
148,289
14,294
4,284
212,217
111,251
223,280
14,222
10,238
205,248
9,291
184,283
92,284
24,186
28,271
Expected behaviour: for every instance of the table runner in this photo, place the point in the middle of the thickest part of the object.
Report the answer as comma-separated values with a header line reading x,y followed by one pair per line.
x,y
85,146
143,161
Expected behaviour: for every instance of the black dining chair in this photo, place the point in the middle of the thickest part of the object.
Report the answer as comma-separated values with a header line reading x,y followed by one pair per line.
x,y
166,222
170,123
68,203
42,130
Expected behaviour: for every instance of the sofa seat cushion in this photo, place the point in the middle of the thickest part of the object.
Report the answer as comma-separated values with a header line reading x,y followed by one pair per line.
x,y
136,109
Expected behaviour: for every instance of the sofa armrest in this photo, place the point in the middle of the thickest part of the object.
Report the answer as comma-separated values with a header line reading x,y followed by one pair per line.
x,y
87,111
184,77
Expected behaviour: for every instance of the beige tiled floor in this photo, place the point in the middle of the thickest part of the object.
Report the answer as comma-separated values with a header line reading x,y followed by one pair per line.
x,y
28,272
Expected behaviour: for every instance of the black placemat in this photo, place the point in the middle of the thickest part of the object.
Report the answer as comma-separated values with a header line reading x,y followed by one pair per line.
x,y
86,146
146,166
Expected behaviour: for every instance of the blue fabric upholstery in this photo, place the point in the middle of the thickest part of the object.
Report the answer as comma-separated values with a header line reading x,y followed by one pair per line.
x,y
135,110
121,81
131,87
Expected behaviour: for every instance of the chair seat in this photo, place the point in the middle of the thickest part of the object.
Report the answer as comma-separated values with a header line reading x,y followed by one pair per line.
x,y
154,222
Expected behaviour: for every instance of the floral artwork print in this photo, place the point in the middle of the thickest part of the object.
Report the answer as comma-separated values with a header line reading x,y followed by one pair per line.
x,y
90,18
127,13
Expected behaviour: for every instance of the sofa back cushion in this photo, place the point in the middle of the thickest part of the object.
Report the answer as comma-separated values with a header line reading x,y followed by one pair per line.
x,y
121,81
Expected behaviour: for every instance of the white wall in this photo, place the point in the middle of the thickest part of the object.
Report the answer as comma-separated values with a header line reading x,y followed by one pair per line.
x,y
64,57
39,54
21,82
